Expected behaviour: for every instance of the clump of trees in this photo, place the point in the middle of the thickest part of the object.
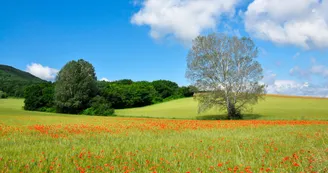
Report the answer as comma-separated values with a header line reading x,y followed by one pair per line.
x,y
77,91
129,94
3,95
39,97
227,70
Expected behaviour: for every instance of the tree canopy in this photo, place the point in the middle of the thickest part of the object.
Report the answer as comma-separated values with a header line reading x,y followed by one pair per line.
x,y
227,70
75,87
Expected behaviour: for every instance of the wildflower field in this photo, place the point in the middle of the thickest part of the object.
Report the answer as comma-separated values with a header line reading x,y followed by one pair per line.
x,y
40,142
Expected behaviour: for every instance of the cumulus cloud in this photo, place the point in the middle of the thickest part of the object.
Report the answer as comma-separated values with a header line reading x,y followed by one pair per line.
x,y
104,79
302,23
183,19
43,72
291,87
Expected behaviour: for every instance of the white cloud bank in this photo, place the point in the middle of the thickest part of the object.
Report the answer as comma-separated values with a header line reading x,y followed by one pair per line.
x,y
184,19
291,87
303,23
43,72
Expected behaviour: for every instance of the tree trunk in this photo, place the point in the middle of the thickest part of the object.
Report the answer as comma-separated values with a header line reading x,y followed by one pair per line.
x,y
233,113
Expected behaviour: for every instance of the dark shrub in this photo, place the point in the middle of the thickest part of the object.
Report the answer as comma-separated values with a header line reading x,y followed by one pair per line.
x,y
187,91
3,95
39,97
100,107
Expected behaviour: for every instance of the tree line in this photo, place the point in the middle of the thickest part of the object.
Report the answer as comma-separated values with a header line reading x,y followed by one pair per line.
x,y
224,69
77,91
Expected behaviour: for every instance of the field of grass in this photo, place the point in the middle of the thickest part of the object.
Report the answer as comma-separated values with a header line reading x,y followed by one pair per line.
x,y
42,142
272,108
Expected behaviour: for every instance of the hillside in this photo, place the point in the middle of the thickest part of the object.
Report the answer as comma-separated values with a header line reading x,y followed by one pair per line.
x,y
273,107
13,81
8,73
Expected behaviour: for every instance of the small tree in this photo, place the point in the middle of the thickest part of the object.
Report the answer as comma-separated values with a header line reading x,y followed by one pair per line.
x,y
3,95
75,87
39,97
226,70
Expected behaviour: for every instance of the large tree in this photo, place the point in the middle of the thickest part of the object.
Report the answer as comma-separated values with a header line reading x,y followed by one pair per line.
x,y
75,87
226,69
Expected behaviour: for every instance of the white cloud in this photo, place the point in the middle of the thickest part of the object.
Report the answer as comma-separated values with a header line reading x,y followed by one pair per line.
x,y
184,19
290,87
104,79
43,72
302,23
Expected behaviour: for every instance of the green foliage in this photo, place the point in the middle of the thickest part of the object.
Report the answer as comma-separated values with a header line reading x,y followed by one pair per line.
x,y
14,81
123,82
75,86
39,97
187,91
100,107
165,88
128,95
3,95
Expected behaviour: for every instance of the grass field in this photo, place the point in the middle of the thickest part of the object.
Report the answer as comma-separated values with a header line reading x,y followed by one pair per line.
x,y
41,142
272,108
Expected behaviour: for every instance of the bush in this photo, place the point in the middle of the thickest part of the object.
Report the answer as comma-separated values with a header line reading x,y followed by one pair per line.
x,y
100,107
129,95
3,95
39,97
45,109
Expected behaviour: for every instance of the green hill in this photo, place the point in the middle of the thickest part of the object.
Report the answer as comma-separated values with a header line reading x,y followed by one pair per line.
x,y
13,81
273,107
8,73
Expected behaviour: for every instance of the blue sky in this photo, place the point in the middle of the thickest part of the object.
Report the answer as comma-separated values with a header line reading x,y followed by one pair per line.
x,y
149,40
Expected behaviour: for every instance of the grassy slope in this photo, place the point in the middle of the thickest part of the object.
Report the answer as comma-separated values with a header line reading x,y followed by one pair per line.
x,y
12,113
272,108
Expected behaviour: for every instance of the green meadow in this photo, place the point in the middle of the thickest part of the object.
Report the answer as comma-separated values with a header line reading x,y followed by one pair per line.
x,y
45,142
271,108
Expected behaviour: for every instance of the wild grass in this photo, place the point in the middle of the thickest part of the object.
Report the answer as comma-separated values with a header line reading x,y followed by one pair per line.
x,y
272,108
41,142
